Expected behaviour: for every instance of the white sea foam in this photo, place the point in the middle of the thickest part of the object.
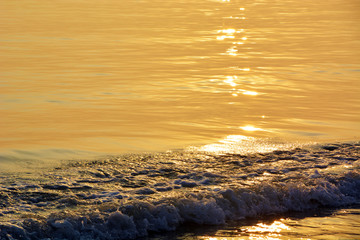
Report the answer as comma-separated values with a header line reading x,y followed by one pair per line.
x,y
134,195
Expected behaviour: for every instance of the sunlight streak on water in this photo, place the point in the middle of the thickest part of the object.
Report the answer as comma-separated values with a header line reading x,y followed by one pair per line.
x,y
240,144
339,224
259,231
275,227
251,128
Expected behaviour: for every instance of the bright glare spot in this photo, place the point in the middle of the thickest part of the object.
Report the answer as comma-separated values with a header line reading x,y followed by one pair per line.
x,y
230,80
234,138
231,17
242,9
229,144
223,37
275,227
263,116
246,69
239,43
240,144
234,94
244,38
251,128
250,93
232,51
228,31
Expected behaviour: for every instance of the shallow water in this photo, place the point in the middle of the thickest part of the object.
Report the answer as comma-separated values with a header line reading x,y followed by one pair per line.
x,y
319,224
79,78
135,196
325,224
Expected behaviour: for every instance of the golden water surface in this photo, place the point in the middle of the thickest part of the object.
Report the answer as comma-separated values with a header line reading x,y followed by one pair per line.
x,y
150,75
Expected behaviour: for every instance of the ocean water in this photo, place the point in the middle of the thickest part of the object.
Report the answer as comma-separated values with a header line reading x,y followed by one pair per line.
x,y
135,75
129,119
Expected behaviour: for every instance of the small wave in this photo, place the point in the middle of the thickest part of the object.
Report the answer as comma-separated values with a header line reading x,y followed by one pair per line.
x,y
131,196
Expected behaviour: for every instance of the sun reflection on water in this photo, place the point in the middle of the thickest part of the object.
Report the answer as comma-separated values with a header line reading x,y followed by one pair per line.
x,y
232,81
240,144
223,37
251,128
266,231
250,93
259,231
227,31
234,50
275,227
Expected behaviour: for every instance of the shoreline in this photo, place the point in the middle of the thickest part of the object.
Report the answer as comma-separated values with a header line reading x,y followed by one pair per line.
x,y
127,198
246,228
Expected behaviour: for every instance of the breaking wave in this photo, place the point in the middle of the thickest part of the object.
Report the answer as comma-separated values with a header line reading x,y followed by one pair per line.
x,y
131,196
